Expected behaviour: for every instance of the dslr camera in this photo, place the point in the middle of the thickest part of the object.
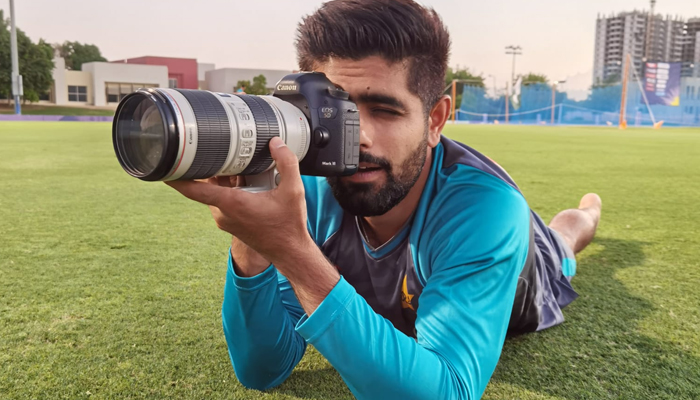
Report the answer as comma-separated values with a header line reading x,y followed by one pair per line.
x,y
179,134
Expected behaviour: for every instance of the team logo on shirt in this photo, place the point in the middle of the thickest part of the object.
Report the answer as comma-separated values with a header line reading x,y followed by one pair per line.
x,y
405,297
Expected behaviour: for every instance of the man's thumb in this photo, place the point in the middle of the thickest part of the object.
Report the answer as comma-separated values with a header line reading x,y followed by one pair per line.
x,y
287,162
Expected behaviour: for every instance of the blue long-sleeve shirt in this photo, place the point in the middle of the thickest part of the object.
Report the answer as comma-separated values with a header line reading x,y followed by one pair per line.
x,y
422,317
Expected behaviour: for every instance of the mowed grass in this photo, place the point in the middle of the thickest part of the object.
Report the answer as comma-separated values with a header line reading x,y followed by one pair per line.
x,y
111,287
41,109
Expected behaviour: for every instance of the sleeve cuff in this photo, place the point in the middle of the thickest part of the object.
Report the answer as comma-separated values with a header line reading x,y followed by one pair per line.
x,y
253,282
333,306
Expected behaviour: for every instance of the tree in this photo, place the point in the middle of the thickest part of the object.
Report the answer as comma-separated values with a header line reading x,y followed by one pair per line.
x,y
244,85
466,78
259,86
76,54
532,79
35,63
465,75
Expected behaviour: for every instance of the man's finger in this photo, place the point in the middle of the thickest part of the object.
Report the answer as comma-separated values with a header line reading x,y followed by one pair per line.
x,y
287,162
205,193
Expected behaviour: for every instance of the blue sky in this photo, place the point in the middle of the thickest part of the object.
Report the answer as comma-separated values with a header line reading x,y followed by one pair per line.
x,y
557,36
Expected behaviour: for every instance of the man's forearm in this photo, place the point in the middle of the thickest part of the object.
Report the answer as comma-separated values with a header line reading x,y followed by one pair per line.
x,y
311,275
259,315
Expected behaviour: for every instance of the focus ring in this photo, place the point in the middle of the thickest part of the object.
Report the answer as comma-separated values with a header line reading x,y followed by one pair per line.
x,y
267,127
213,134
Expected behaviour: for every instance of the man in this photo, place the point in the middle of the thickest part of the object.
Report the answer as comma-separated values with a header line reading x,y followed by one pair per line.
x,y
408,275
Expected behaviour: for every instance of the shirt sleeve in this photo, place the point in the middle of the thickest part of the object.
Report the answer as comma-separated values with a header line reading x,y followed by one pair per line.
x,y
259,314
474,252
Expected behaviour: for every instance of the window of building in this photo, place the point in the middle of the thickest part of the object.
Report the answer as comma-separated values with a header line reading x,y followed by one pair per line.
x,y
77,93
172,83
112,92
115,92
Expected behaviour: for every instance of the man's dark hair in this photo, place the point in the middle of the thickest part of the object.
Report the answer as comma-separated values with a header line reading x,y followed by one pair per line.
x,y
397,30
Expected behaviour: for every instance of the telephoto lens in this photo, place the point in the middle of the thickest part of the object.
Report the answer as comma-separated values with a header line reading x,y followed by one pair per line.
x,y
180,134
170,134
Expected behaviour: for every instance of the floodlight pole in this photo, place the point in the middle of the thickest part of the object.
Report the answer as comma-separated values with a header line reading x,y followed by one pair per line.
x,y
554,97
515,51
16,77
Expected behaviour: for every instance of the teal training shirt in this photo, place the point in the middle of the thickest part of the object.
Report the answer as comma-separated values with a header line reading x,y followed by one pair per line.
x,y
422,317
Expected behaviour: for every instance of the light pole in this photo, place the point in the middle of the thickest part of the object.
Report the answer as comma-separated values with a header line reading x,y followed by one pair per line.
x,y
554,96
515,51
495,90
16,77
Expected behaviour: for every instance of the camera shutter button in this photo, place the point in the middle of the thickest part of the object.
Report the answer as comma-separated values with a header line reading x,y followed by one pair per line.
x,y
321,137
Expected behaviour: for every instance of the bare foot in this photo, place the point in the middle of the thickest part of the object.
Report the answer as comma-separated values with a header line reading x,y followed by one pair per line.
x,y
592,204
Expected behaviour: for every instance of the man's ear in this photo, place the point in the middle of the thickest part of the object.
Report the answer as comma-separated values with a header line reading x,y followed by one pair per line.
x,y
439,115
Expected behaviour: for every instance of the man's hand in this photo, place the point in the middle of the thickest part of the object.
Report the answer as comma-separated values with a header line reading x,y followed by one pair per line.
x,y
248,261
272,223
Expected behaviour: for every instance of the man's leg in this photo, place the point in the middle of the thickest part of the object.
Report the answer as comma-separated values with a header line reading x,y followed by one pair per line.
x,y
578,226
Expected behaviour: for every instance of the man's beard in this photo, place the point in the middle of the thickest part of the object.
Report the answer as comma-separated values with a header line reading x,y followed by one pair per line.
x,y
363,200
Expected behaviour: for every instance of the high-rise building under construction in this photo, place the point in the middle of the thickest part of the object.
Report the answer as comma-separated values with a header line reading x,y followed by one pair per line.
x,y
670,39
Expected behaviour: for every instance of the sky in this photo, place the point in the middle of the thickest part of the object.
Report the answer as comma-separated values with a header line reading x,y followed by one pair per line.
x,y
557,36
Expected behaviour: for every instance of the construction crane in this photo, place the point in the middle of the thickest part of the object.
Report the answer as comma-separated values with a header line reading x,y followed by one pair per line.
x,y
650,28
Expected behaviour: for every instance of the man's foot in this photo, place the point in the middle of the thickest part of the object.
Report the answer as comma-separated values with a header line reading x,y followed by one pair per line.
x,y
592,204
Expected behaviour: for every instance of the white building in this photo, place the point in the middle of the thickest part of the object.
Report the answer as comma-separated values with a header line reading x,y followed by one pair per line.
x,y
102,83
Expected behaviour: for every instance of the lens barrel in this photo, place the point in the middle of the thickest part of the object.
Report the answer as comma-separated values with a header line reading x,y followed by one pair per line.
x,y
181,134
145,135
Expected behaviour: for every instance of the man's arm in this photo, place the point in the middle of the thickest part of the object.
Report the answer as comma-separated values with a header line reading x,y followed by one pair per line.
x,y
462,317
464,308
259,313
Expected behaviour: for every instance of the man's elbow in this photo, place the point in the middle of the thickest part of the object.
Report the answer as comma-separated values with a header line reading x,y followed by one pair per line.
x,y
256,379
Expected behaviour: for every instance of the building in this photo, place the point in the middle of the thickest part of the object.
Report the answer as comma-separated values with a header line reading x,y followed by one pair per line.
x,y
102,83
182,72
690,55
626,33
226,79
202,70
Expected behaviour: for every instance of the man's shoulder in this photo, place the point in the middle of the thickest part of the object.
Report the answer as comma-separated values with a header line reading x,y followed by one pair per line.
x,y
464,179
472,207
458,158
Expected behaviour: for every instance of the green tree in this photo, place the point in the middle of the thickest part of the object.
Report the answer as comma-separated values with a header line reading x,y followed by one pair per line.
x,y
259,86
532,79
464,77
76,54
245,85
35,63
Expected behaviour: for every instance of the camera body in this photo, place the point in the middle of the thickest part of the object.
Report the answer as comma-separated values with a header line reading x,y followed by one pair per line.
x,y
164,134
333,119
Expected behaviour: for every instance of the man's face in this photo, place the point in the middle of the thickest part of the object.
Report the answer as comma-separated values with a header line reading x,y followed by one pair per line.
x,y
394,134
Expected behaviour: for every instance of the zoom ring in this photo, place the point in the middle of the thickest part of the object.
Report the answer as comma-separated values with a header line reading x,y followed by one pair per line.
x,y
213,134
267,127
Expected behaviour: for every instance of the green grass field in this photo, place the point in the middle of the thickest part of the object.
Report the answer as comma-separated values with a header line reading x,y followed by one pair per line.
x,y
39,109
111,287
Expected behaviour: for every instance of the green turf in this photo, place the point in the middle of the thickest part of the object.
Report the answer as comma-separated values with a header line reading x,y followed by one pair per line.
x,y
111,287
38,109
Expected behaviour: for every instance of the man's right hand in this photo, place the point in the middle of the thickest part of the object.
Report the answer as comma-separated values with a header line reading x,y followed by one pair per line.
x,y
248,261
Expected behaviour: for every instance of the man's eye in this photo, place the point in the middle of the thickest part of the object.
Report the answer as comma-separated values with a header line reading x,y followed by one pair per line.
x,y
385,111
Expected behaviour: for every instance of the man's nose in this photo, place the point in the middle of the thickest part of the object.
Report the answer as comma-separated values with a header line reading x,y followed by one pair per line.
x,y
366,134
